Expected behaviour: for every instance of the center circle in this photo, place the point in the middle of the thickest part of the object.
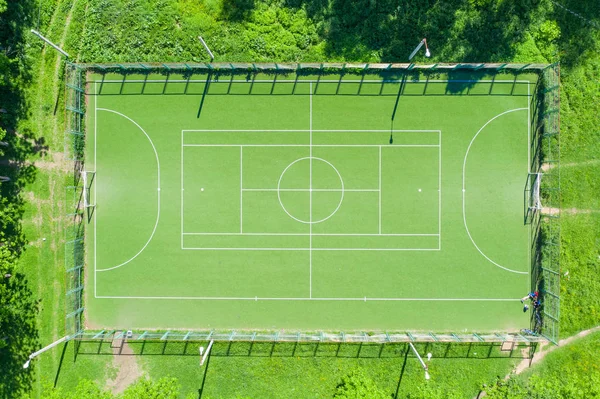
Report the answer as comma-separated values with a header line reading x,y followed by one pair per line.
x,y
323,189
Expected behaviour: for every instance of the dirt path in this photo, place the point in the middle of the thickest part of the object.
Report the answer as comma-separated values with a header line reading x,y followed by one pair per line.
x,y
128,369
538,357
569,211
547,166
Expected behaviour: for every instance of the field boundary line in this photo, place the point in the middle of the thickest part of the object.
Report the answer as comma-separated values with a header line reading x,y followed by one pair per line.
x,y
309,130
95,188
361,299
158,190
464,189
310,249
528,167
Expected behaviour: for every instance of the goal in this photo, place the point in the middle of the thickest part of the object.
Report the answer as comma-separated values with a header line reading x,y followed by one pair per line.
x,y
535,201
88,178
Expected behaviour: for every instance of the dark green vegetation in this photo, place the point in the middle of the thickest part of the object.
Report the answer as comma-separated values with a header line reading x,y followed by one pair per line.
x,y
378,243
458,31
18,305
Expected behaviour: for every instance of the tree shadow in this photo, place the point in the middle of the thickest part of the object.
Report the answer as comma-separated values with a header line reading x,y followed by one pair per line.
x,y
275,349
576,20
237,10
457,30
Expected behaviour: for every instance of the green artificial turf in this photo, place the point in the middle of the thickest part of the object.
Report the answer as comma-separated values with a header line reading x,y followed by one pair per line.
x,y
298,203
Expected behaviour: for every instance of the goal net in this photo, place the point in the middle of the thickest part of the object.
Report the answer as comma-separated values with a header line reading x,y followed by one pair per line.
x,y
87,177
535,202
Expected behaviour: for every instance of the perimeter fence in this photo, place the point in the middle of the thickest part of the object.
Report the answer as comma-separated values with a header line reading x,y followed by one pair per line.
x,y
545,231
75,230
327,79
331,79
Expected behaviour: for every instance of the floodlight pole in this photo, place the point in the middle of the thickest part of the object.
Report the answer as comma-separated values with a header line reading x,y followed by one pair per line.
x,y
421,43
212,57
38,34
420,360
206,352
44,349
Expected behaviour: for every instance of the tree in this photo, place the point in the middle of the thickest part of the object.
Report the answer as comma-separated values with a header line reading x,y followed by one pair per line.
x,y
18,333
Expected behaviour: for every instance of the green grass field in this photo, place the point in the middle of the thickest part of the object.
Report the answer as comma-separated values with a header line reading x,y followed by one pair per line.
x,y
299,204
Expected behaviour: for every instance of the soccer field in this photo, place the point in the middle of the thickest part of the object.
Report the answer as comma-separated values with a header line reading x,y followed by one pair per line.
x,y
312,203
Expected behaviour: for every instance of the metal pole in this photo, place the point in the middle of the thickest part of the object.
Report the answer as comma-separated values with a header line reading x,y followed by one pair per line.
x,y
420,360
44,349
212,57
206,353
416,49
38,34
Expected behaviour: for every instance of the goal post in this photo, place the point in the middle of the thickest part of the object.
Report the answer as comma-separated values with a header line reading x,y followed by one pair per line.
x,y
532,197
535,201
88,179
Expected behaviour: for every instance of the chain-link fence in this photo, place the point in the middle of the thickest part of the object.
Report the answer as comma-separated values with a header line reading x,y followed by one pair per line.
x,y
545,232
358,79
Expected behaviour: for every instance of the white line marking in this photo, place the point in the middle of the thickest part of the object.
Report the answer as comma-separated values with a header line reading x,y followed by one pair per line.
x,y
529,166
463,188
241,191
379,190
257,298
358,190
311,249
306,145
440,193
307,130
96,187
182,192
314,234
528,129
310,195
158,191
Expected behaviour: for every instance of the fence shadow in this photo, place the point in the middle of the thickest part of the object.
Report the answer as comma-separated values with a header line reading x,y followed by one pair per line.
x,y
249,349
459,80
